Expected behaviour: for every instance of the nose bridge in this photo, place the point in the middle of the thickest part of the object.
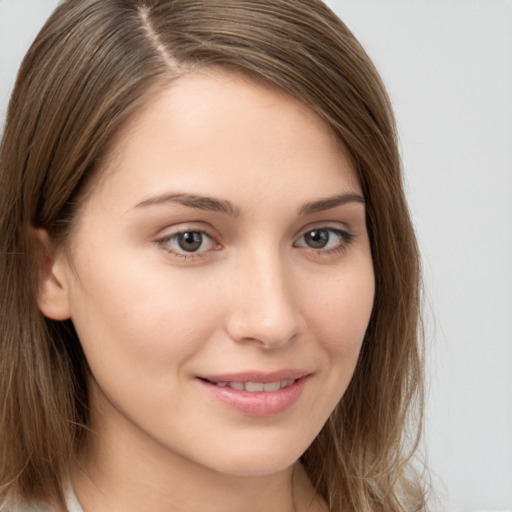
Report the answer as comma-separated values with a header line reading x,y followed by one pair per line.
x,y
264,308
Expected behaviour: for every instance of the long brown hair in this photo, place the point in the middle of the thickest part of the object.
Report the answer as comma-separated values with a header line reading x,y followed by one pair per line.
x,y
92,65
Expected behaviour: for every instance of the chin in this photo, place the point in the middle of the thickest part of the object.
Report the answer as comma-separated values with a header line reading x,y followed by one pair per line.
x,y
257,460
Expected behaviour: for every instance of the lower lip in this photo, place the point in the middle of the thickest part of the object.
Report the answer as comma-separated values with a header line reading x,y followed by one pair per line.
x,y
261,403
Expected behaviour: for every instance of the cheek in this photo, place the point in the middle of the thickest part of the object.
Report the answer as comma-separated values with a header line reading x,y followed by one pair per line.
x,y
340,318
343,310
338,313
138,332
131,317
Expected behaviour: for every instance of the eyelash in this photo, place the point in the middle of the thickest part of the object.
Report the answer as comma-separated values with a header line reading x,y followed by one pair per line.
x,y
345,238
164,243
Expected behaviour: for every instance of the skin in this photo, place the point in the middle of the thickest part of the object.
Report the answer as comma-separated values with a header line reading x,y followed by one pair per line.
x,y
256,295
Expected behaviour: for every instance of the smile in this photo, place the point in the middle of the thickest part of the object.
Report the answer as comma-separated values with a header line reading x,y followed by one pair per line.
x,y
255,387
257,394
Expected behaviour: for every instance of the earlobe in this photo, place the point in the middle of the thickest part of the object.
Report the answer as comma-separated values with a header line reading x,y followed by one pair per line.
x,y
52,278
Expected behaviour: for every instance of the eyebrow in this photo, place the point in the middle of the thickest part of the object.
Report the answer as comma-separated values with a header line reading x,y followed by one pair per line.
x,y
331,202
222,206
194,201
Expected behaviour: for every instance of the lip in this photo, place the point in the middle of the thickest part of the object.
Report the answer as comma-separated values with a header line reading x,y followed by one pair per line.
x,y
261,403
256,376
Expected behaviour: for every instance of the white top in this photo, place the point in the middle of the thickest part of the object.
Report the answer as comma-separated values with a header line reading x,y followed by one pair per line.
x,y
71,503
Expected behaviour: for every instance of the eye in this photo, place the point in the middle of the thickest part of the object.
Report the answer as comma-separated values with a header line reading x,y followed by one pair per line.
x,y
325,239
188,243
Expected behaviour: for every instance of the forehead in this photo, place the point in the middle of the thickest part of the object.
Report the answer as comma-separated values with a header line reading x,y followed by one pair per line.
x,y
213,130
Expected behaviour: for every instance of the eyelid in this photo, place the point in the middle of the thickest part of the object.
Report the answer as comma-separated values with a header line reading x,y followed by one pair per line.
x,y
163,239
327,225
341,231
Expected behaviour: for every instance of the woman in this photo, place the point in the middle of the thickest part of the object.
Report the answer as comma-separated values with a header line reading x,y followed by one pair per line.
x,y
209,277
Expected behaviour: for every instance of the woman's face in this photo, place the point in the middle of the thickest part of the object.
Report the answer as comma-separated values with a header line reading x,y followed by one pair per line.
x,y
220,278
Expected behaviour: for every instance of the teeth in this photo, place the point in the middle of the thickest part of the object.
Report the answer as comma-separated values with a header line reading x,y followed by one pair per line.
x,y
254,387
271,386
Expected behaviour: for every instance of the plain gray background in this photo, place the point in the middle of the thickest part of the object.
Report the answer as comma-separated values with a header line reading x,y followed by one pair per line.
x,y
448,67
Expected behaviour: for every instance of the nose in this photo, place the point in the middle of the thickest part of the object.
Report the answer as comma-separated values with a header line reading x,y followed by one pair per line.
x,y
264,310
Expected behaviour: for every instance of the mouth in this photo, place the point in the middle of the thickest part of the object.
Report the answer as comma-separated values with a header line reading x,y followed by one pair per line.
x,y
257,394
254,387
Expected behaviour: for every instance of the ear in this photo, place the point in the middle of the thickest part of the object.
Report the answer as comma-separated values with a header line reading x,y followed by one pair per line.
x,y
52,277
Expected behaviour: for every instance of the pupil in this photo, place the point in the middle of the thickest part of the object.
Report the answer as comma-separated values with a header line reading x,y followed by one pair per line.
x,y
317,238
190,241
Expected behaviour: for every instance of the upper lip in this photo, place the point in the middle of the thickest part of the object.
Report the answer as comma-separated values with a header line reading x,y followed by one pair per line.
x,y
257,376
